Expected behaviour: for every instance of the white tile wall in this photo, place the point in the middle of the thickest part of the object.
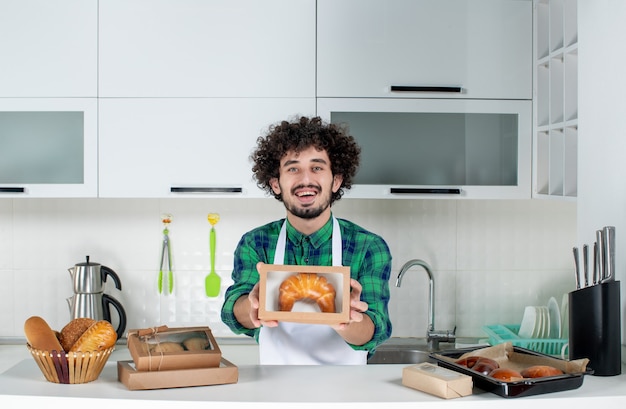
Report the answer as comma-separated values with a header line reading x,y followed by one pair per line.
x,y
490,258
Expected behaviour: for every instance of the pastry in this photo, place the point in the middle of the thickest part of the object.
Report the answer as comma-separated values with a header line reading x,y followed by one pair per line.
x,y
196,344
99,336
539,371
40,336
73,330
167,347
306,286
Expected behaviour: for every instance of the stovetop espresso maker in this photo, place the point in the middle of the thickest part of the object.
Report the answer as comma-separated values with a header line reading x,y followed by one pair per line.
x,y
89,299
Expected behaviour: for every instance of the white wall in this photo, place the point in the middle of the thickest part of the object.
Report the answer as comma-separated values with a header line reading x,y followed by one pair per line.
x,y
491,258
602,125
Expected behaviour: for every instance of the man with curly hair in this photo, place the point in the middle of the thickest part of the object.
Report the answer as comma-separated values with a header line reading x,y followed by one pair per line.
x,y
307,164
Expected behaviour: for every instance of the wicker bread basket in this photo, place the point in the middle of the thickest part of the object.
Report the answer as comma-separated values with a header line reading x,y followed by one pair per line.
x,y
71,367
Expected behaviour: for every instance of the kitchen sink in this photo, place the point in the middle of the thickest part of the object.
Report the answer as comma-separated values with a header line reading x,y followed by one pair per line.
x,y
410,351
399,356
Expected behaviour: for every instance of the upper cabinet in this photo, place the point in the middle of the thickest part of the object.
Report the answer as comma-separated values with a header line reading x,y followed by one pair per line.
x,y
48,48
556,99
219,48
187,86
425,49
48,147
185,147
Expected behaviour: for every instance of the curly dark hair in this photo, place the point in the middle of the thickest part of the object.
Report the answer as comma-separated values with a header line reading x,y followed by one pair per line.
x,y
298,135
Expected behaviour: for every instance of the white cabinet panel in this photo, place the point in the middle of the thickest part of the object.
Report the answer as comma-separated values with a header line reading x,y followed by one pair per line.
x,y
48,147
48,48
437,148
149,146
482,46
217,48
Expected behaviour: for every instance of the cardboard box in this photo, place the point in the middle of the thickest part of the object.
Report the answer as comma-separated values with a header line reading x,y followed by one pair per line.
x,y
438,381
305,310
133,379
163,348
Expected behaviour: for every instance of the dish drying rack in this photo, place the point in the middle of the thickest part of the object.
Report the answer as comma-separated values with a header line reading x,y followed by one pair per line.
x,y
508,333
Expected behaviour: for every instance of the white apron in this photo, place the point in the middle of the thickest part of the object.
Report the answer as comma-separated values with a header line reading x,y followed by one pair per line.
x,y
306,344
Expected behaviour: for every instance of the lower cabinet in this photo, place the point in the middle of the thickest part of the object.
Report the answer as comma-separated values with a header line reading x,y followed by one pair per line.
x,y
182,147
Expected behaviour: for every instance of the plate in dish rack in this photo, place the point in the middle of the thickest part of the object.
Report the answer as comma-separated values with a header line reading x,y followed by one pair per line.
x,y
555,319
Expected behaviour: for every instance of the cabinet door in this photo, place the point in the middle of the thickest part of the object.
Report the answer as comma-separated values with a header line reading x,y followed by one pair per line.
x,y
217,48
482,47
48,147
421,148
173,147
48,48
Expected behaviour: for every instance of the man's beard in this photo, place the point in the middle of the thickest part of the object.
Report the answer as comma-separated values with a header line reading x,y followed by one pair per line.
x,y
307,212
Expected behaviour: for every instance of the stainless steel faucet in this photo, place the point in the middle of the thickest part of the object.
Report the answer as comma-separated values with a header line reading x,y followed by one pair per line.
x,y
433,337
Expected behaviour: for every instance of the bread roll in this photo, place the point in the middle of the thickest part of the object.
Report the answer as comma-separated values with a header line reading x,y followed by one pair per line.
x,y
539,371
485,365
505,374
99,336
196,344
73,331
40,336
167,347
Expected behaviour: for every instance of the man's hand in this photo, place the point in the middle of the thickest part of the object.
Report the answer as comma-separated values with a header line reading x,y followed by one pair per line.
x,y
359,329
253,300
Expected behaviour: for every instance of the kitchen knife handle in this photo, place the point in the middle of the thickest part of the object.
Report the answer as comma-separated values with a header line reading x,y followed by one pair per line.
x,y
608,234
601,254
576,267
586,264
426,88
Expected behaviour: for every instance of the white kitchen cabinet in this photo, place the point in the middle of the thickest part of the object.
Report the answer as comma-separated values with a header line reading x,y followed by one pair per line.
x,y
482,47
48,48
207,48
437,148
48,147
556,99
185,147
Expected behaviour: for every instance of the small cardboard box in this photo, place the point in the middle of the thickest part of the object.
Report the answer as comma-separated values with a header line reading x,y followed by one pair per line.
x,y
305,310
128,374
163,348
438,381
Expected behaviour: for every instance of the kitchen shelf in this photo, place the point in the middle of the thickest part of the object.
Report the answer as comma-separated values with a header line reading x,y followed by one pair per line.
x,y
555,104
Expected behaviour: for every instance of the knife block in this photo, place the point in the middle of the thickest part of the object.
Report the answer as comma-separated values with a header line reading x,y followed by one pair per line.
x,y
595,327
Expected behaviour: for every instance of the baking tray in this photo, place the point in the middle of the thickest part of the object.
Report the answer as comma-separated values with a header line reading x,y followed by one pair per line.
x,y
516,389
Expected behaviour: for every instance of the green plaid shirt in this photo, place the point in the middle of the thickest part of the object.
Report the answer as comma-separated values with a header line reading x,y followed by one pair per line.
x,y
366,253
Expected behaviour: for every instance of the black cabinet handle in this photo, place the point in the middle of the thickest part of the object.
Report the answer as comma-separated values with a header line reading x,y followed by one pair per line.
x,y
12,190
429,191
206,190
425,88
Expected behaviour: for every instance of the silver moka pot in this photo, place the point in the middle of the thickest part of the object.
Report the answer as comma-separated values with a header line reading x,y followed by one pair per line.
x,y
89,299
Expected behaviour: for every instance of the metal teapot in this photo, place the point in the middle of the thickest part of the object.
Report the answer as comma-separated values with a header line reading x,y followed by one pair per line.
x,y
89,299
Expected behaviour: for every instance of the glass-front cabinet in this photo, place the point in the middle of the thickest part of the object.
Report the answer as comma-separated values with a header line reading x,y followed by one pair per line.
x,y
48,147
437,148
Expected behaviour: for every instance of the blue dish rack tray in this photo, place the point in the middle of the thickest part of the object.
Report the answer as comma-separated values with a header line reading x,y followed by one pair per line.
x,y
508,333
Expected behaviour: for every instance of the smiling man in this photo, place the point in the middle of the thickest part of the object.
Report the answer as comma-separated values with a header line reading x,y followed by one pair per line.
x,y
307,164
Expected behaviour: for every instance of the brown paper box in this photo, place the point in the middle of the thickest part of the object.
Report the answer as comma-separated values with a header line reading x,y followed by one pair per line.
x,y
128,374
143,344
305,311
437,381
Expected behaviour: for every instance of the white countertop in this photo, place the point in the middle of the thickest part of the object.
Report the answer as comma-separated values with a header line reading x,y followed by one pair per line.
x,y
21,383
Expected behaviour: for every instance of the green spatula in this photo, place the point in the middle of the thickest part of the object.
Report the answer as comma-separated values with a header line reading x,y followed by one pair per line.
x,y
212,282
